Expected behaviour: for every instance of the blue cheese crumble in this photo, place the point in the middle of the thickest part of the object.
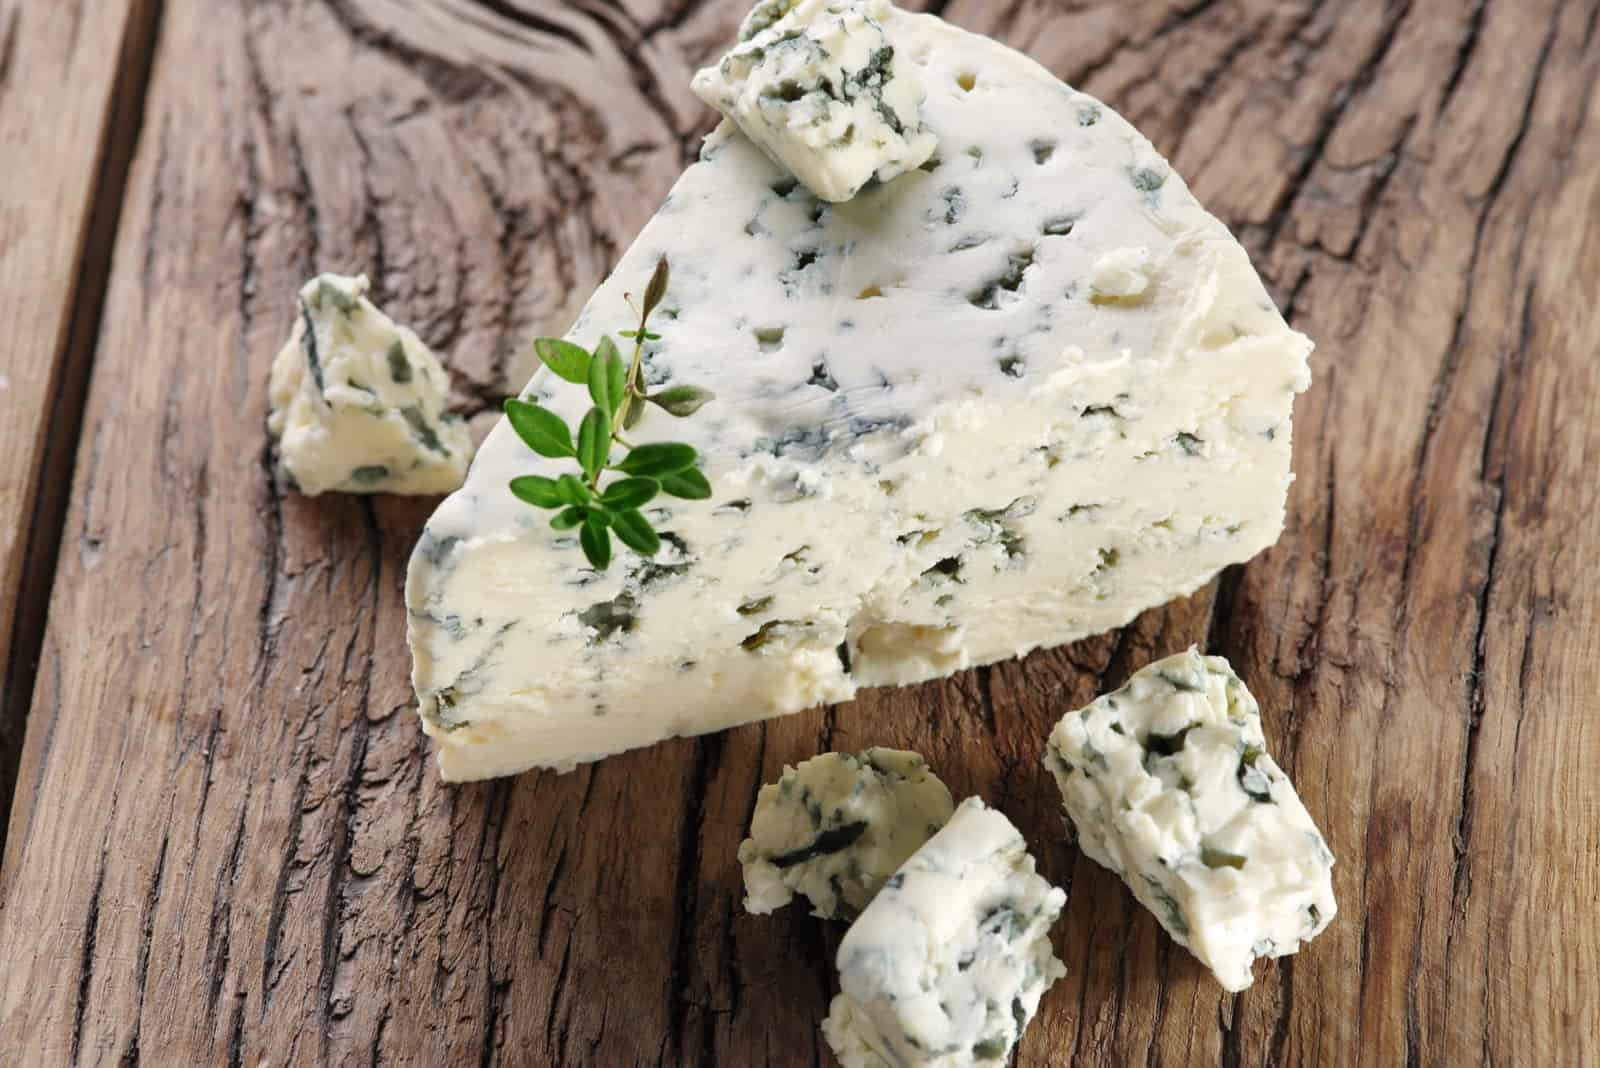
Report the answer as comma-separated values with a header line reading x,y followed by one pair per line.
x,y
358,402
822,88
1169,784
836,827
947,965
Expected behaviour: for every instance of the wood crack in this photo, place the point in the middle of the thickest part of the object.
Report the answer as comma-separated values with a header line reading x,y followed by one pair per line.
x,y
1319,143
86,959
539,24
670,20
1232,1043
349,801
288,865
1181,18
1445,380
371,226
452,83
8,48
219,932
1470,37
1152,1054
141,975
1220,620
986,697
489,853
1280,1033
688,890
1194,97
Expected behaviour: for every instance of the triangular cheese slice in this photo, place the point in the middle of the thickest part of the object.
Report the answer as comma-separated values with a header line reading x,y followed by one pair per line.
x,y
1005,401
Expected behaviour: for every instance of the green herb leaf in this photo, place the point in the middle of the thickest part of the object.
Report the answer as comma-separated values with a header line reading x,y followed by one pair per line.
x,y
659,459
608,378
595,537
634,531
655,291
573,491
635,413
542,430
690,485
594,442
682,401
570,519
539,492
564,358
630,493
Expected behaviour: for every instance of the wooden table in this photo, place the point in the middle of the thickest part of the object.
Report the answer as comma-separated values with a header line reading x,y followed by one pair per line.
x,y
227,844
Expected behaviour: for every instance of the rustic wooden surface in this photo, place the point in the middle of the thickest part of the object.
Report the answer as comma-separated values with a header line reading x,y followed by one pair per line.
x,y
227,845
63,151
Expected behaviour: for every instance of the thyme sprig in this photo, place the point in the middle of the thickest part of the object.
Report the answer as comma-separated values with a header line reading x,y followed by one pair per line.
x,y
579,500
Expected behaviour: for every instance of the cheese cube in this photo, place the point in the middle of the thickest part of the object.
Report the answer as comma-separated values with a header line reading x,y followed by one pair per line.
x,y
820,87
947,965
834,828
1169,784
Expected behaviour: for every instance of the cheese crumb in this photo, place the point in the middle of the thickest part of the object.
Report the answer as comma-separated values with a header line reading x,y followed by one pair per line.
x,y
358,402
1121,275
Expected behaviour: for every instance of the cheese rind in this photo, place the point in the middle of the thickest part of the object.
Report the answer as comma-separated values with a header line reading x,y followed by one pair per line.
x,y
947,965
358,402
838,825
1169,784
932,447
821,87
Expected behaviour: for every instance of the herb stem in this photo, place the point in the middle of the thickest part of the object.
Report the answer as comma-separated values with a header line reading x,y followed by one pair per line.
x,y
664,467
634,394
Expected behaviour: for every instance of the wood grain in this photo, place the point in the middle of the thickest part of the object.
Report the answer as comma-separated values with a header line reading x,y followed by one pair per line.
x,y
61,190
228,846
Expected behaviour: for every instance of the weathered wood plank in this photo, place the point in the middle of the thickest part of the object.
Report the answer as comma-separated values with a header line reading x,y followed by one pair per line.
x,y
71,78
235,849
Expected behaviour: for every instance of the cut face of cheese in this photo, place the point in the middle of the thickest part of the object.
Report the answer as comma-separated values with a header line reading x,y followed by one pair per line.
x,y
825,92
834,828
1169,784
1004,401
947,965
358,402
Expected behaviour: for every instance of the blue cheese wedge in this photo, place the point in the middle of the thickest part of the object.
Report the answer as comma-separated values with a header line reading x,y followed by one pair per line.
x,y
1169,784
358,402
1010,399
947,965
836,827
823,89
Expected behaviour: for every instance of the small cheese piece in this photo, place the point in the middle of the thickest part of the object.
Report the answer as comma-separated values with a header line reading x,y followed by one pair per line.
x,y
947,965
1121,274
932,447
1169,784
821,87
834,828
358,402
